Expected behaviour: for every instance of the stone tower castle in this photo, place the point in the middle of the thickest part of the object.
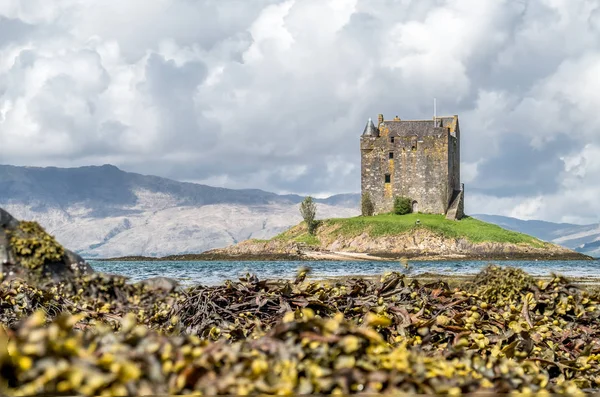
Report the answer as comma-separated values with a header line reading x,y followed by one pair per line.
x,y
418,159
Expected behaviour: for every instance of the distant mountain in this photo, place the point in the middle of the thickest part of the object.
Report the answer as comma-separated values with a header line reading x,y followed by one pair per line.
x,y
107,186
581,238
102,211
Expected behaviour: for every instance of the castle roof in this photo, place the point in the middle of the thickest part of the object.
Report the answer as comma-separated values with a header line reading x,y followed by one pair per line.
x,y
370,129
420,128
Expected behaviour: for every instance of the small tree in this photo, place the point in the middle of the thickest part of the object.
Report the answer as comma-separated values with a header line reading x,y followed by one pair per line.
x,y
308,210
402,205
366,205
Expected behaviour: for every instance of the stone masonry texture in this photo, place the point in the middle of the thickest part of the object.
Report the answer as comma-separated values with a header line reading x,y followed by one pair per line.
x,y
418,159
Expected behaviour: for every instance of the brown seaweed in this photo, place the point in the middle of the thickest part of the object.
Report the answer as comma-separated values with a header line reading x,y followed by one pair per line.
x,y
503,332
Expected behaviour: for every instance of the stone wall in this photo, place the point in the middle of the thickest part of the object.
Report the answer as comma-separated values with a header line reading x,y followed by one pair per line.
x,y
454,159
373,168
420,160
418,170
456,211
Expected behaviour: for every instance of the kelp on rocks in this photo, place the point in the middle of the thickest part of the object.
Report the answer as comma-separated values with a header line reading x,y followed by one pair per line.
x,y
103,297
497,284
503,332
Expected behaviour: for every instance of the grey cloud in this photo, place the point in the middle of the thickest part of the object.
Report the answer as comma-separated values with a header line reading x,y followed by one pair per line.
x,y
172,89
594,19
274,94
13,30
522,169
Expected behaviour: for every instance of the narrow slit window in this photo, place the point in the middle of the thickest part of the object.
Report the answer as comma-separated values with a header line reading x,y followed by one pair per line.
x,y
391,155
392,139
388,178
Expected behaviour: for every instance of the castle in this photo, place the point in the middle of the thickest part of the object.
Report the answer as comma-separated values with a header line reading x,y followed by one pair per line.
x,y
418,159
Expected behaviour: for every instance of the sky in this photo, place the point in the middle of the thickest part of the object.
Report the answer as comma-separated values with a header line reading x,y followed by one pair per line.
x,y
274,94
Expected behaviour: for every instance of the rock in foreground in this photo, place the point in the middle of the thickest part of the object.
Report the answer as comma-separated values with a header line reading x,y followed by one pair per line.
x,y
26,251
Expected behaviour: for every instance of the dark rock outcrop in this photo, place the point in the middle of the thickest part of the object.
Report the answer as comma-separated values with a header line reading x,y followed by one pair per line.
x,y
27,251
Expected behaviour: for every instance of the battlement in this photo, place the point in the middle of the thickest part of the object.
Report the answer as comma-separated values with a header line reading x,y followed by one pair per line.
x,y
431,120
398,127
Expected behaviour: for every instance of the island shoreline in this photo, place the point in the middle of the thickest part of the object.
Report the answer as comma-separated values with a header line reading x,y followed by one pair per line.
x,y
317,256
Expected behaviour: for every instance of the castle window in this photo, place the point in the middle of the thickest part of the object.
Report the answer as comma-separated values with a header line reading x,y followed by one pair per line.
x,y
388,178
392,139
413,148
391,155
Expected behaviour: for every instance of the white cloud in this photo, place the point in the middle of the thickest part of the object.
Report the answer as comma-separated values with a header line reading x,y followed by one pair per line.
x,y
273,94
269,32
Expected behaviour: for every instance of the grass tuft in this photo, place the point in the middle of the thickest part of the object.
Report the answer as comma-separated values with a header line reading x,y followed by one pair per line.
x,y
308,239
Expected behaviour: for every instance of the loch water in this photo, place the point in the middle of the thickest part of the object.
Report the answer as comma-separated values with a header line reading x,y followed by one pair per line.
x,y
216,272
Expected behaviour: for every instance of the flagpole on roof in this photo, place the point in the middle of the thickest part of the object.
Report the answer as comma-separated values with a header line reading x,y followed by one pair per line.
x,y
434,111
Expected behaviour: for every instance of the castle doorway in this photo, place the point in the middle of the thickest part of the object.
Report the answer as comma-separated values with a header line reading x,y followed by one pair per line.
x,y
415,207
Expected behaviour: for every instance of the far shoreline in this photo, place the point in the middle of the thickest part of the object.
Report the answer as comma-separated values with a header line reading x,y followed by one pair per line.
x,y
320,256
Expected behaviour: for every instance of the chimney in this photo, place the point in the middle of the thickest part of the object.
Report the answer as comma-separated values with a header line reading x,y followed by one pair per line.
x,y
379,120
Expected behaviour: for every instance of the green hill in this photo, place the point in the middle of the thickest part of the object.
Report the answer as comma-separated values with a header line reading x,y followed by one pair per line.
x,y
468,228
385,237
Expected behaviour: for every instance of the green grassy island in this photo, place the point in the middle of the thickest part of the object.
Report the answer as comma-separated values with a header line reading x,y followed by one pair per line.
x,y
390,225
389,237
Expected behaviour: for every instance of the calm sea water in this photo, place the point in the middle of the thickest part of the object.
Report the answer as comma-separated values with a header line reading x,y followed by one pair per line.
x,y
210,273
